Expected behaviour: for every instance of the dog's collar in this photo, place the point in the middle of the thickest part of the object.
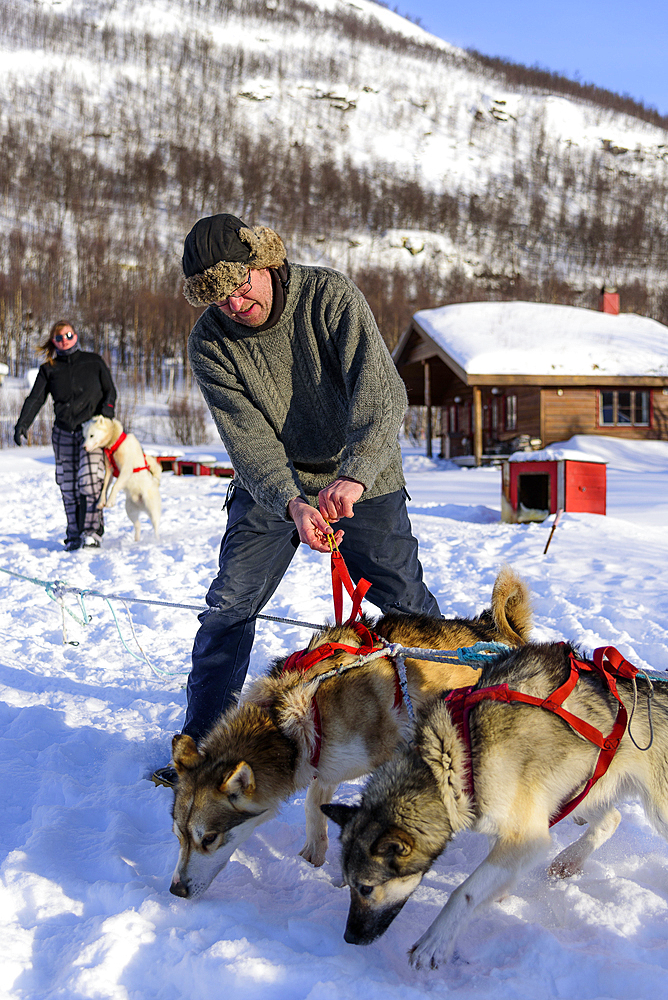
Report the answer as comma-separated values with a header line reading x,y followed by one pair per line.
x,y
459,703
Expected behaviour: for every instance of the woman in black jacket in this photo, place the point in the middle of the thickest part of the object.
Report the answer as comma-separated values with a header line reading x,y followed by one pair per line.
x,y
81,387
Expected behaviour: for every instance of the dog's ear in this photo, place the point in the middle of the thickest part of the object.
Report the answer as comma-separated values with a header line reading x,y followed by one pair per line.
x,y
240,781
445,755
185,754
339,813
394,842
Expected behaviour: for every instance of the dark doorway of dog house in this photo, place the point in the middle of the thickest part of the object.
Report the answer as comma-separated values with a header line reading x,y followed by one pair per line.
x,y
533,496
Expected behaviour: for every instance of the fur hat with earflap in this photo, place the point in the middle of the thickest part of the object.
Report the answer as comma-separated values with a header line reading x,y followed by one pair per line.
x,y
218,252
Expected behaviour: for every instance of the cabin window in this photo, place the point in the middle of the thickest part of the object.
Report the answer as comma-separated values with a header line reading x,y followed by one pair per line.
x,y
624,408
511,413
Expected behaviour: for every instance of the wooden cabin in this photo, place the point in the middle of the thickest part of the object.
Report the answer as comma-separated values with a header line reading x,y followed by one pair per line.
x,y
509,375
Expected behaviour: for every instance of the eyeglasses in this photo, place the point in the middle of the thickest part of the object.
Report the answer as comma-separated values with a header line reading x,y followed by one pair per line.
x,y
60,337
239,292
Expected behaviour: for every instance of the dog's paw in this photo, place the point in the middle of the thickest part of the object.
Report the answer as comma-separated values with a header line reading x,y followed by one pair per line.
x,y
561,868
420,959
314,853
430,951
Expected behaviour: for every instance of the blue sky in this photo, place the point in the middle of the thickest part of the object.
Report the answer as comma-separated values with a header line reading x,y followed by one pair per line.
x,y
622,46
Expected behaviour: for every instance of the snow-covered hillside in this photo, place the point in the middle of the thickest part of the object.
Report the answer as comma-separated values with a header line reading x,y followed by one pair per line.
x,y
366,140
86,843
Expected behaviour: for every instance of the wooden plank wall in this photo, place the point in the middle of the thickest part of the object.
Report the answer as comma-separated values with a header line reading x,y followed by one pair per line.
x,y
575,412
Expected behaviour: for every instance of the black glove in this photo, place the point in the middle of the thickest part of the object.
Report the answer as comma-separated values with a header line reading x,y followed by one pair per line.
x,y
18,434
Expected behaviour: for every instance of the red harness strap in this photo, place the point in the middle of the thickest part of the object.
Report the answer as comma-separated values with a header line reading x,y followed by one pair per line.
x,y
607,662
340,579
109,452
304,659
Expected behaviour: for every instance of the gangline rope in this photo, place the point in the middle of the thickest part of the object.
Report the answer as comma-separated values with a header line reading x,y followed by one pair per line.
x,y
56,590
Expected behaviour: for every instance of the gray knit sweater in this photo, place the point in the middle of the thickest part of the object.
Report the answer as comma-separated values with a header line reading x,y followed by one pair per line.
x,y
312,398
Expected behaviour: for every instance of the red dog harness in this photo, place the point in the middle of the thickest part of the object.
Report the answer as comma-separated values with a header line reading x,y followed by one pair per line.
x,y
607,662
304,659
109,452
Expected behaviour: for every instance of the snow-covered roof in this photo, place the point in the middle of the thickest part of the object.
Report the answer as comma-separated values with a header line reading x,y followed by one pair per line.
x,y
534,338
555,453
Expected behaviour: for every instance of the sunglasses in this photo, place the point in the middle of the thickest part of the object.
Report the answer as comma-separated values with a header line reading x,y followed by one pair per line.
x,y
239,292
60,337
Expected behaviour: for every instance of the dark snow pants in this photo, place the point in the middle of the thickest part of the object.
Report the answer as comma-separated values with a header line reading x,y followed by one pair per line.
x,y
255,552
80,475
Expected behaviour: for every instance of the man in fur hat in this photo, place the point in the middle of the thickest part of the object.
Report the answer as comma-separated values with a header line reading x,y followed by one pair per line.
x,y
308,404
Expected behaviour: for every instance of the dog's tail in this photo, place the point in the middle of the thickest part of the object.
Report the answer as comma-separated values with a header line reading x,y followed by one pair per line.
x,y
511,607
154,467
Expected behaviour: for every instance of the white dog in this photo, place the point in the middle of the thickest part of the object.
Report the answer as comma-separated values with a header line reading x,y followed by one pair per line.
x,y
133,471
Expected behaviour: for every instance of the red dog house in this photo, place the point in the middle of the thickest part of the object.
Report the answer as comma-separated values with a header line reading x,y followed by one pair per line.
x,y
173,460
532,489
165,455
196,465
221,469
168,460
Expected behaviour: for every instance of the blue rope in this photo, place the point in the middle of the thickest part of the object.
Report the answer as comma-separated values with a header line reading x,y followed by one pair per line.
x,y
484,652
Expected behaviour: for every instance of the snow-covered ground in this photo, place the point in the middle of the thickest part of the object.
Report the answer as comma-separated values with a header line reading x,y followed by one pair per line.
x,y
86,840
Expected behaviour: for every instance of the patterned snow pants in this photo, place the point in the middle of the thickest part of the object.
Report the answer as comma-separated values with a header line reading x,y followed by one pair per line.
x,y
80,475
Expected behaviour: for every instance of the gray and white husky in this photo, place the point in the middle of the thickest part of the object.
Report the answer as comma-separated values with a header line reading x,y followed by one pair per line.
x,y
525,764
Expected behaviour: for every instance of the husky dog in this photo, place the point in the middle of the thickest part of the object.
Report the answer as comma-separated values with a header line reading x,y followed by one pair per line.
x,y
266,748
136,473
526,763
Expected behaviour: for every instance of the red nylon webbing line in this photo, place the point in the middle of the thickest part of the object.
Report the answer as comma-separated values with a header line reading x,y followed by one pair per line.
x,y
340,579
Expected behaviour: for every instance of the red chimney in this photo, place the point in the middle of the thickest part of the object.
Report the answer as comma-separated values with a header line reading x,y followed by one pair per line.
x,y
609,300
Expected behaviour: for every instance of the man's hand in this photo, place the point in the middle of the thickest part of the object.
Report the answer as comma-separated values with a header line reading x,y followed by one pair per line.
x,y
337,499
18,434
311,525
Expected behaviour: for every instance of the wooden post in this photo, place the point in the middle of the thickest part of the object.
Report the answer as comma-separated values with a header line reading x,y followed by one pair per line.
x,y
445,433
427,403
477,425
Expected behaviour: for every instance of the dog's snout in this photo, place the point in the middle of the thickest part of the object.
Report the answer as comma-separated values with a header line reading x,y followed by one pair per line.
x,y
351,938
179,888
